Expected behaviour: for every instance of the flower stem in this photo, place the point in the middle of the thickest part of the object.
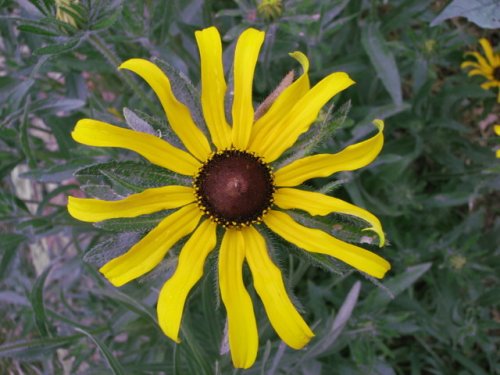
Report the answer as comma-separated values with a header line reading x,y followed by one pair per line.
x,y
101,46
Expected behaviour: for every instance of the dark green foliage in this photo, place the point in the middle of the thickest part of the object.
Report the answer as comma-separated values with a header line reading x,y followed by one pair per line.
x,y
434,187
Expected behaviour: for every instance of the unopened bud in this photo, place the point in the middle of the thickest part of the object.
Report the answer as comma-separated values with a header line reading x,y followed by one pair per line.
x,y
270,9
61,11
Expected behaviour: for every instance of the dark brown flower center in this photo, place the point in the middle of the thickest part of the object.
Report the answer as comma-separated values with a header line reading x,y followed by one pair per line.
x,y
234,188
496,73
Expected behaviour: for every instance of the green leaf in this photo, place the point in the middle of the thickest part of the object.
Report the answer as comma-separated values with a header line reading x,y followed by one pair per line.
x,y
484,13
141,223
107,20
127,177
55,49
106,249
196,352
382,60
448,199
379,299
137,123
37,30
24,137
10,243
8,161
328,339
58,172
130,304
114,365
35,347
37,302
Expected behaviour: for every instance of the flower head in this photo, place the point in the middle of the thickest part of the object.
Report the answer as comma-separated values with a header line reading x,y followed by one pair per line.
x,y
488,66
234,187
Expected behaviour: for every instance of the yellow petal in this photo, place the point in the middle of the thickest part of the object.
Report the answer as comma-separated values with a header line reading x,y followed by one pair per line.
x,y
322,165
467,64
480,59
317,241
245,59
488,51
146,202
157,151
242,327
488,85
275,141
287,98
475,72
213,86
269,285
178,114
189,270
320,204
496,129
150,250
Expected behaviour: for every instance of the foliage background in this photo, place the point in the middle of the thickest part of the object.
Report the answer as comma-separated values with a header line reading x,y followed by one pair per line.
x,y
434,187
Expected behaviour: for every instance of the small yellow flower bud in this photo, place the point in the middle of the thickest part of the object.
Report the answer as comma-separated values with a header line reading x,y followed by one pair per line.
x,y
270,9
429,45
62,14
458,262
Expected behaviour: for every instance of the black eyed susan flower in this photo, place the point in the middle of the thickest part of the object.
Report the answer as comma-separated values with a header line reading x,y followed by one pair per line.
x,y
487,66
234,187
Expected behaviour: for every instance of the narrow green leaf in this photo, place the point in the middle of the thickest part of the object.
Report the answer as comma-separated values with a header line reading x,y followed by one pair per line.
x,y
468,363
141,223
10,243
114,365
127,177
106,249
55,49
382,60
195,351
35,347
135,122
24,136
339,322
37,30
46,199
107,20
58,172
379,299
37,302
130,303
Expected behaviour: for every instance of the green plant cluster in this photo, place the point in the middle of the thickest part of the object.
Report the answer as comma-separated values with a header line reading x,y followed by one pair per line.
x,y
434,187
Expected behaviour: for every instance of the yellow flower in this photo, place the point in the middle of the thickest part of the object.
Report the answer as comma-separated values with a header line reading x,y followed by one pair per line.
x,y
233,187
488,67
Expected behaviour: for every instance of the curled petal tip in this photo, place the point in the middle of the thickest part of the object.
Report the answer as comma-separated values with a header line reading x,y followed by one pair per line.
x,y
379,233
379,124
